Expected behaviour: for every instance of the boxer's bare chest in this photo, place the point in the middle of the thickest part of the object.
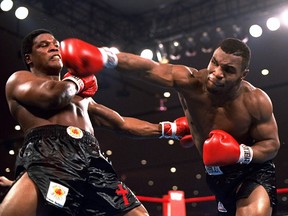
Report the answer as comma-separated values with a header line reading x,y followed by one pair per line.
x,y
205,115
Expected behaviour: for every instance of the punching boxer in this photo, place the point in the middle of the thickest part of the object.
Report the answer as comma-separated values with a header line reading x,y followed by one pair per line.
x,y
231,120
60,169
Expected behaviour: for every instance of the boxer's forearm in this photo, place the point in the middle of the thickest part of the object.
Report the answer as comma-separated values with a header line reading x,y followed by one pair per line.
x,y
131,62
141,128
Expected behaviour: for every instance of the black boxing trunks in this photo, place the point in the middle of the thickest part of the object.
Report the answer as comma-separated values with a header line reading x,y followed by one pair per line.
x,y
224,182
73,176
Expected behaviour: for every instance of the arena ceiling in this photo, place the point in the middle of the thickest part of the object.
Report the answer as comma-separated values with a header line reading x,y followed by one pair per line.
x,y
133,25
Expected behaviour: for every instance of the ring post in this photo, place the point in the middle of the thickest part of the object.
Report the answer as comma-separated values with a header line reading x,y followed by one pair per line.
x,y
175,205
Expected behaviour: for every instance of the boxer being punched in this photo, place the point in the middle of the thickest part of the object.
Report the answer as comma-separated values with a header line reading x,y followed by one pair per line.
x,y
232,123
60,169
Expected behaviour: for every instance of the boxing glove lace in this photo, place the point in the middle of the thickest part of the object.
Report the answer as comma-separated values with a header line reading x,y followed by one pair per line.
x,y
86,86
176,129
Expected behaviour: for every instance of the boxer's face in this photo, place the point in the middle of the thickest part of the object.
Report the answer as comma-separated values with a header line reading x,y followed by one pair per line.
x,y
225,72
45,55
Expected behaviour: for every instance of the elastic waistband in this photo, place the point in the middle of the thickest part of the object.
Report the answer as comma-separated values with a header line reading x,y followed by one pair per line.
x,y
60,130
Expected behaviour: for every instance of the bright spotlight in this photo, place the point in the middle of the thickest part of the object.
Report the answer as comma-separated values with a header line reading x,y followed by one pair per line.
x,y
147,53
273,24
161,54
255,31
265,72
284,17
21,13
6,5
175,50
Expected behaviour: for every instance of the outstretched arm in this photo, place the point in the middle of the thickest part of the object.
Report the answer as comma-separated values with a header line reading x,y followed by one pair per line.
x,y
103,116
88,59
167,75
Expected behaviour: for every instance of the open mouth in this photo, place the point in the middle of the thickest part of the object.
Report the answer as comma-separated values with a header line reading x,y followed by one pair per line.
x,y
55,57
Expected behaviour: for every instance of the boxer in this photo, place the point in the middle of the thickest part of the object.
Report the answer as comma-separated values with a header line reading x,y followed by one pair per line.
x,y
60,168
232,122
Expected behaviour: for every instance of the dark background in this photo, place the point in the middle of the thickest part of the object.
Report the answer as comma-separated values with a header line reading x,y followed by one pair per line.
x,y
133,25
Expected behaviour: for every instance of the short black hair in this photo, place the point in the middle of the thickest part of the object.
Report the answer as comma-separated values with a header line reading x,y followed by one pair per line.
x,y
238,48
27,42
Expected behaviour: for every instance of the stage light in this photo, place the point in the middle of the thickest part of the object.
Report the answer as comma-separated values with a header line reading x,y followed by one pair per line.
x,y
239,33
284,17
220,34
255,31
21,13
147,53
6,5
162,106
161,54
166,94
190,47
206,43
175,50
265,72
273,24
17,127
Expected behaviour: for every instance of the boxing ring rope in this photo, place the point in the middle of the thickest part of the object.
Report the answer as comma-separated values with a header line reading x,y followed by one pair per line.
x,y
174,202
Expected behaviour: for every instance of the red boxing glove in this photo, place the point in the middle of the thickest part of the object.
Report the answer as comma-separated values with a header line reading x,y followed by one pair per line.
x,y
86,86
84,59
187,141
176,129
222,149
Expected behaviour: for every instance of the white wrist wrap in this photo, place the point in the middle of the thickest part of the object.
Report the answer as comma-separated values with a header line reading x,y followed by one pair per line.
x,y
173,129
78,82
110,58
246,154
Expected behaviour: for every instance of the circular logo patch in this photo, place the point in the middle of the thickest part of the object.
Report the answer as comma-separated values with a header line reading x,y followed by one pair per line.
x,y
75,132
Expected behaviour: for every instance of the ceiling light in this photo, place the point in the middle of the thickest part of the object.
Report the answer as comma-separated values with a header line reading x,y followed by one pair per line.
x,y
239,33
206,43
265,72
17,127
175,50
172,169
21,13
147,53
284,17
6,5
161,54
273,24
255,31
190,47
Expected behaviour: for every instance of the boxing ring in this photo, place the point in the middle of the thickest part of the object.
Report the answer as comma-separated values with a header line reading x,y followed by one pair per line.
x,y
174,203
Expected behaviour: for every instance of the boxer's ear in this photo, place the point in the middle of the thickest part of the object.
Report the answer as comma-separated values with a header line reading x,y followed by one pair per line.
x,y
27,58
245,73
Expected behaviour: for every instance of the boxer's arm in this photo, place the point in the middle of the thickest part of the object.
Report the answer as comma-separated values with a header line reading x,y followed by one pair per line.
x,y
222,149
103,116
166,75
264,128
32,90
